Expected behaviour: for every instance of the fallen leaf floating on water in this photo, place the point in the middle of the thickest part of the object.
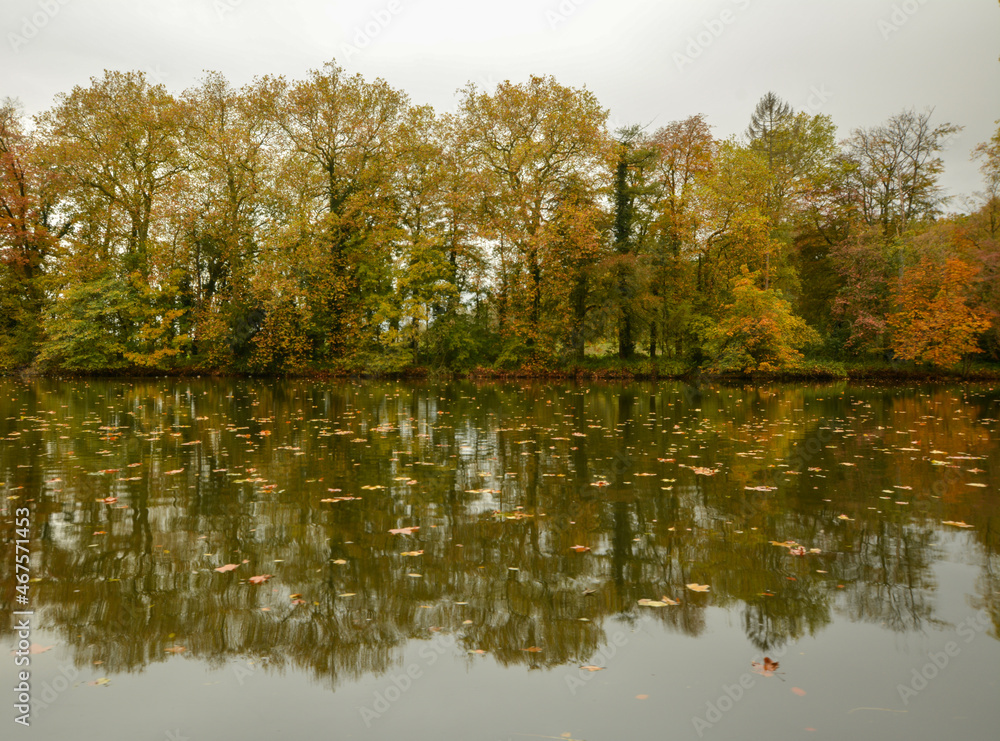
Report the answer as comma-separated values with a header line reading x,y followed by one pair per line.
x,y
175,650
404,530
592,668
174,472
227,567
765,669
702,471
642,697
532,650
956,524
799,691
103,681
697,587
35,648
662,602
259,579
579,548
108,500
412,553
340,562
845,517
800,551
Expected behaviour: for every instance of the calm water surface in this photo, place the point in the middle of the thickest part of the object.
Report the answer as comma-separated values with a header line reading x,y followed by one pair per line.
x,y
849,533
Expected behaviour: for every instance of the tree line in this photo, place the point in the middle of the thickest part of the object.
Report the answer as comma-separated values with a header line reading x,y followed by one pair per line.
x,y
330,223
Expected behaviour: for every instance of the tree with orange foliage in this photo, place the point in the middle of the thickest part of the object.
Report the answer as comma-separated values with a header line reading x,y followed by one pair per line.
x,y
936,322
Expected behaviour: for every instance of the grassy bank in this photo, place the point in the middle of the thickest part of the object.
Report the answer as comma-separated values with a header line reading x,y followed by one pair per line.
x,y
589,369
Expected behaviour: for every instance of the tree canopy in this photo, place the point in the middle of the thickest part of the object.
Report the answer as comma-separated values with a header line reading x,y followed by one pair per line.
x,y
330,223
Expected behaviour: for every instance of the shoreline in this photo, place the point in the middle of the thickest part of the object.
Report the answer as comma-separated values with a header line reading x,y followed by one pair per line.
x,y
639,372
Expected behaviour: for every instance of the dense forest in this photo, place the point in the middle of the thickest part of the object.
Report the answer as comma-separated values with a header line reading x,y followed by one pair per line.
x,y
331,224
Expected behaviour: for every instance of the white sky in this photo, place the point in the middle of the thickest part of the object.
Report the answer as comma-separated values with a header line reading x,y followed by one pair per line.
x,y
859,61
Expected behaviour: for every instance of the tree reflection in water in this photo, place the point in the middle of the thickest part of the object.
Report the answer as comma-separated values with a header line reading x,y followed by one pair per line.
x,y
666,484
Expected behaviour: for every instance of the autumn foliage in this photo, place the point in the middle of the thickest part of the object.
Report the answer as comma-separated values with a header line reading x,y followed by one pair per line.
x,y
935,322
330,223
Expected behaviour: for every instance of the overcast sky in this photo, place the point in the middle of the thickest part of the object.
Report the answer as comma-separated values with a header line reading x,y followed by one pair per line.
x,y
648,61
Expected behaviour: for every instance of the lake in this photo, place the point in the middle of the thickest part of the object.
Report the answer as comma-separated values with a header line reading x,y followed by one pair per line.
x,y
221,559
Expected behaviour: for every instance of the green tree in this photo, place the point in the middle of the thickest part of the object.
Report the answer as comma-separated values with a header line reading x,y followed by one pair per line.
x,y
758,331
527,141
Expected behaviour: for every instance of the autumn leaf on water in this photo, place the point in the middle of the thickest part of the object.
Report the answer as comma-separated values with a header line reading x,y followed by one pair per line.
x,y
175,650
663,602
765,669
590,668
845,517
412,553
697,587
171,473
532,650
799,691
579,548
108,500
956,524
404,530
227,567
600,483
35,648
259,579
800,551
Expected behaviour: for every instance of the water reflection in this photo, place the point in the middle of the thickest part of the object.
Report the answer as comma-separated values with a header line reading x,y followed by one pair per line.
x,y
141,489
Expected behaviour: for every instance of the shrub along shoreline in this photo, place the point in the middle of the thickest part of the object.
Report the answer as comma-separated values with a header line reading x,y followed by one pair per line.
x,y
591,370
